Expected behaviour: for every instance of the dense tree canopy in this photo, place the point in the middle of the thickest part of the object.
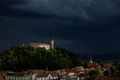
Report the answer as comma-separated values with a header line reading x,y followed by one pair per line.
x,y
19,58
94,72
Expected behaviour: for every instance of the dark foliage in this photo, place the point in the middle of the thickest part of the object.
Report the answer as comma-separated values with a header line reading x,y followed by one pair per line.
x,y
19,58
94,72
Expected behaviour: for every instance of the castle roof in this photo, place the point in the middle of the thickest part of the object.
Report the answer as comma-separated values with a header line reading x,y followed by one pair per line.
x,y
29,44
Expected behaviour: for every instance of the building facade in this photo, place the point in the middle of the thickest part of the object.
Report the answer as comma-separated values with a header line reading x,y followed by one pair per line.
x,y
17,76
41,45
46,77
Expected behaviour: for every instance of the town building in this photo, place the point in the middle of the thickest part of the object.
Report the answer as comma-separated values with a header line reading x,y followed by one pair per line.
x,y
46,77
2,77
77,73
17,76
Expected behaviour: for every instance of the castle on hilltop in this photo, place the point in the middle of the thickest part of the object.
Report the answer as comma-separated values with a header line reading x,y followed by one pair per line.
x,y
42,45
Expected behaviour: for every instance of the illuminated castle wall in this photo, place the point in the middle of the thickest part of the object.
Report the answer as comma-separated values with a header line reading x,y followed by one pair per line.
x,y
42,45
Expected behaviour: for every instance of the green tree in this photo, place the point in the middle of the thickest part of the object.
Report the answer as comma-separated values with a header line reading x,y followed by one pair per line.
x,y
21,58
106,73
94,72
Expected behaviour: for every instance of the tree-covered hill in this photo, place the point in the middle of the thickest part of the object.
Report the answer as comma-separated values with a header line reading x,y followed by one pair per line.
x,y
19,58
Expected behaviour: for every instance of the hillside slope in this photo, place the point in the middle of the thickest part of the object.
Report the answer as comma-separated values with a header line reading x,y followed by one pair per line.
x,y
21,58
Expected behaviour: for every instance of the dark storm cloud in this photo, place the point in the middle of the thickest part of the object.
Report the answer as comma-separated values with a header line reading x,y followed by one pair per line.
x,y
84,9
84,26
6,5
8,8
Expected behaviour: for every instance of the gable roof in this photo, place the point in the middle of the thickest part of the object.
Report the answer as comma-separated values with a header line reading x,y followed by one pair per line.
x,y
35,71
43,75
2,76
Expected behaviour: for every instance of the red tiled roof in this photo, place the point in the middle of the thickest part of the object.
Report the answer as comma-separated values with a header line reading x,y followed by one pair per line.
x,y
65,74
90,69
62,70
92,65
18,73
53,72
110,78
43,75
77,68
35,71
2,76
107,65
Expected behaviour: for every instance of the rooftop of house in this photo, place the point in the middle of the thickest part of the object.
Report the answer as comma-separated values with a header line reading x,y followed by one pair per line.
x,y
2,76
63,70
42,75
110,78
17,74
78,68
89,69
35,71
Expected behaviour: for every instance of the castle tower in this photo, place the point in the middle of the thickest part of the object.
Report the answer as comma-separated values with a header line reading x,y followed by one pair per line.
x,y
52,44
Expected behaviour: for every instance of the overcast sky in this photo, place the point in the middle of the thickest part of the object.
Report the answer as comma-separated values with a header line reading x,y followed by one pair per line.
x,y
83,26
